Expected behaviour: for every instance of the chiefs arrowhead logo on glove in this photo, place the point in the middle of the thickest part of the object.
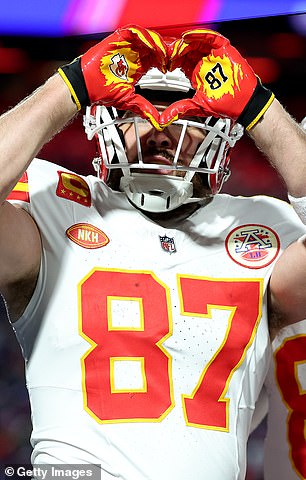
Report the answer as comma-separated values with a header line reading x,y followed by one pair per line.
x,y
119,66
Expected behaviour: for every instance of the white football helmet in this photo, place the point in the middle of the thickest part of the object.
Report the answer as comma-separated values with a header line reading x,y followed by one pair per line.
x,y
154,192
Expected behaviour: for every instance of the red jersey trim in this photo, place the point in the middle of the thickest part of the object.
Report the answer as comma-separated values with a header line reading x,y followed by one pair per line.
x,y
21,190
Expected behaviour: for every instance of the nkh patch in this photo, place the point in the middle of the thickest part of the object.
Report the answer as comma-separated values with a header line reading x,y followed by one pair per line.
x,y
252,246
21,190
167,243
74,188
87,236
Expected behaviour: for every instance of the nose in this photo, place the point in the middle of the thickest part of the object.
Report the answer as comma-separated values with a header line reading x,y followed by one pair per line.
x,y
158,138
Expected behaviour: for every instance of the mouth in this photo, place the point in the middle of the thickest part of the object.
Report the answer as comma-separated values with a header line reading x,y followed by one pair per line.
x,y
162,158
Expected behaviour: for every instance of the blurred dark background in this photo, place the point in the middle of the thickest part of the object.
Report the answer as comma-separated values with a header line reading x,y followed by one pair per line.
x,y
275,46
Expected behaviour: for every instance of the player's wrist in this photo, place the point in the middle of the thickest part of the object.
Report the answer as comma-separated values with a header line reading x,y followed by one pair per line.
x,y
73,77
259,102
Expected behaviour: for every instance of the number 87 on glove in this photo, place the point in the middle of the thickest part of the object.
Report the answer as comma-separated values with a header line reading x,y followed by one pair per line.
x,y
225,84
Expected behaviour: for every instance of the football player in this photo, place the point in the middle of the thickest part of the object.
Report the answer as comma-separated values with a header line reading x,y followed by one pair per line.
x,y
142,297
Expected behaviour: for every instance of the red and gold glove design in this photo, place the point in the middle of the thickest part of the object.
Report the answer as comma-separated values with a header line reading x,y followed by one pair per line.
x,y
107,72
225,84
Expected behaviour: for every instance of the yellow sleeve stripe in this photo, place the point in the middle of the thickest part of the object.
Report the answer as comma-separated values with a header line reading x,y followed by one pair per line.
x,y
21,187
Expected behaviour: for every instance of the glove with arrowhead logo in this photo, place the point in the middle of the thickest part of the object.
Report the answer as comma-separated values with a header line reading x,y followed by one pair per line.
x,y
107,72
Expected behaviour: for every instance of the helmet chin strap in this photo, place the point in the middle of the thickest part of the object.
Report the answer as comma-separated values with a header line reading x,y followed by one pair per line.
x,y
156,193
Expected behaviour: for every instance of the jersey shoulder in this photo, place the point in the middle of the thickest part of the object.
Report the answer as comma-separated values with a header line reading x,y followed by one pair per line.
x,y
44,179
258,211
271,208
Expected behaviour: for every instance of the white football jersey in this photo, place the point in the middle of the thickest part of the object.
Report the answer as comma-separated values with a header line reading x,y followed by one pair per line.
x,y
285,443
146,347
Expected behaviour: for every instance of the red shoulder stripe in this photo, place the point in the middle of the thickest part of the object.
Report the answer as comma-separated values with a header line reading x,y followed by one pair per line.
x,y
21,190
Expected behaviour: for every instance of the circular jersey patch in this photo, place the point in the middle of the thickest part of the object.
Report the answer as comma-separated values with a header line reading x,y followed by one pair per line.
x,y
252,246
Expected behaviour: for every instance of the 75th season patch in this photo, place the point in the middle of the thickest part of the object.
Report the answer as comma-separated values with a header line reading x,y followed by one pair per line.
x,y
252,246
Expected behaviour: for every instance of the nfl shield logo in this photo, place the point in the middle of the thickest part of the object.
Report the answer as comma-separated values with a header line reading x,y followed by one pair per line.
x,y
167,244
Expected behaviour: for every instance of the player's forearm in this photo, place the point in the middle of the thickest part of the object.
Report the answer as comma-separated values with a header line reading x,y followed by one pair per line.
x,y
27,127
283,142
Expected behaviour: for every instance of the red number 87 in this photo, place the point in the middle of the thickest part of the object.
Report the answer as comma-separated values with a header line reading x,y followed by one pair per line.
x,y
143,343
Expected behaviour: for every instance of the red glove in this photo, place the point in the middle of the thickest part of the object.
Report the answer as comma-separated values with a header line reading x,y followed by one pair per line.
x,y
107,73
225,84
